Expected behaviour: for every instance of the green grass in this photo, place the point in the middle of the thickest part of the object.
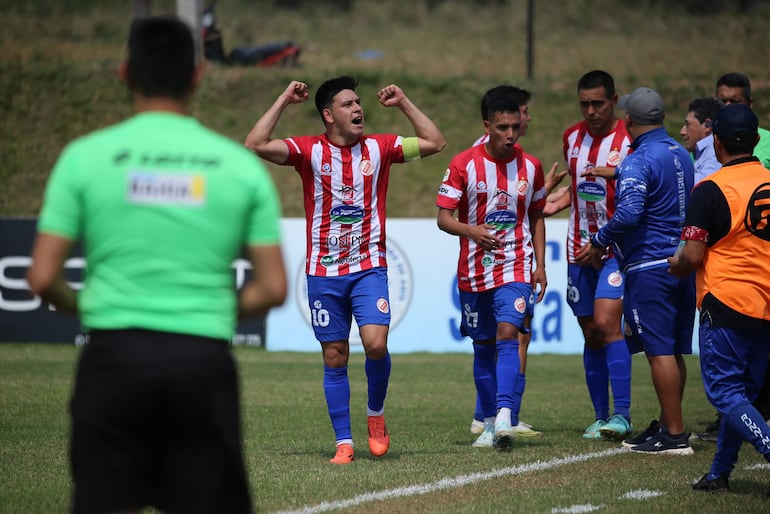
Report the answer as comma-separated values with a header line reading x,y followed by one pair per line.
x,y
288,440
58,79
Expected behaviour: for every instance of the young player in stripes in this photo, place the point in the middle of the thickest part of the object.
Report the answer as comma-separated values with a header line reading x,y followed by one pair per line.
x,y
498,194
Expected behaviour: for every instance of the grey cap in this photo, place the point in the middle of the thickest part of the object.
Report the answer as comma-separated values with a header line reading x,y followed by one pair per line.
x,y
644,106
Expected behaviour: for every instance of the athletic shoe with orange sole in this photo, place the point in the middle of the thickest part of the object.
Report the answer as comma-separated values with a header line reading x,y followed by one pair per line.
x,y
379,440
344,454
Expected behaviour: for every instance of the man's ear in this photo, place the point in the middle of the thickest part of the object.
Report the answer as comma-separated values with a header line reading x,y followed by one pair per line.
x,y
197,77
327,115
707,125
123,72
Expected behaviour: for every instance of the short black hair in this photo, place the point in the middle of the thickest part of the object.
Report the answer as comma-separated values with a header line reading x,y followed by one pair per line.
x,y
597,78
520,96
161,57
504,103
324,97
705,108
735,79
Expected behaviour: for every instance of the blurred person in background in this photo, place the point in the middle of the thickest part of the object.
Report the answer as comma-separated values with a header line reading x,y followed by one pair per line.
x,y
163,206
697,138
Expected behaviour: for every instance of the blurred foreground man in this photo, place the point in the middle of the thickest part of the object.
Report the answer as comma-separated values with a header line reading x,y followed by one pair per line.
x,y
163,206
727,242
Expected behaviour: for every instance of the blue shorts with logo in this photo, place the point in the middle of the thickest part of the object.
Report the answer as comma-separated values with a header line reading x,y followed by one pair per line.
x,y
585,284
481,312
334,301
659,311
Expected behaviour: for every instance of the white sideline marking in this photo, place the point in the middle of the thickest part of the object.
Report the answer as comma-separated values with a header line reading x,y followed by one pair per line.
x,y
451,483
753,467
577,509
641,494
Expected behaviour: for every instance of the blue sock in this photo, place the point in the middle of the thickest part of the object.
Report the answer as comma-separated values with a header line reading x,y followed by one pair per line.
x,y
597,376
377,377
484,377
518,393
507,369
337,392
619,368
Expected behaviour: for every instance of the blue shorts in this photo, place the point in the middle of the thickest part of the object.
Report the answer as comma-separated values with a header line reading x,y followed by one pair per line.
x,y
334,301
585,284
659,312
511,303
733,363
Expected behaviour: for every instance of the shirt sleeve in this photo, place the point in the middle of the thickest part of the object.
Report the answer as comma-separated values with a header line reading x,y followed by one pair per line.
x,y
61,214
264,218
708,210
631,198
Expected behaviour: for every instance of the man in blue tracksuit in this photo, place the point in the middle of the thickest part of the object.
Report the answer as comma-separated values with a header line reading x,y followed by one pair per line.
x,y
651,197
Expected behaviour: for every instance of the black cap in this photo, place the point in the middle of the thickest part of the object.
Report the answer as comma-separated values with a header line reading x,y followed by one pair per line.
x,y
735,122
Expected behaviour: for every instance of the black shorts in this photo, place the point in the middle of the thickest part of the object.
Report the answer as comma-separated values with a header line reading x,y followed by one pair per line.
x,y
156,422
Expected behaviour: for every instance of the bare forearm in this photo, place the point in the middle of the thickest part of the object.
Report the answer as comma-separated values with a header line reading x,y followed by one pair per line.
x,y
431,138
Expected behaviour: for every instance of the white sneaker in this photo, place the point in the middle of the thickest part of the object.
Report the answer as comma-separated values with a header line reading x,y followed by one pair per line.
x,y
487,437
477,427
525,430
504,437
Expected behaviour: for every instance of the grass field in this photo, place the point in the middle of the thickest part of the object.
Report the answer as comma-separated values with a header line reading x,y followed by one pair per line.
x,y
58,80
431,467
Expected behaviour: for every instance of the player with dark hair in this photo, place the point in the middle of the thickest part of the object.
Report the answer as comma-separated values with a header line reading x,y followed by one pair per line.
x,y
344,180
498,194
163,206
486,352
599,142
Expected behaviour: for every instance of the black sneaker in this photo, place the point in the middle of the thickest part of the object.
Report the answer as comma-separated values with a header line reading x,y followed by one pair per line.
x,y
665,443
645,436
714,425
719,485
709,437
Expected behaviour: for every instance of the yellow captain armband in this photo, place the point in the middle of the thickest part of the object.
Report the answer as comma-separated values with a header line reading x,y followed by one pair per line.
x,y
411,146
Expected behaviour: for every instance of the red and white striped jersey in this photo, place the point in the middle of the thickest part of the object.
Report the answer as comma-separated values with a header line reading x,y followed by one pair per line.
x,y
500,193
344,192
593,198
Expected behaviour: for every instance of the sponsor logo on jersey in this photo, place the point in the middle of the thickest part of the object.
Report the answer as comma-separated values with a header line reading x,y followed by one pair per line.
x,y
758,213
591,191
501,219
326,169
347,193
347,214
502,197
345,241
366,167
148,187
481,186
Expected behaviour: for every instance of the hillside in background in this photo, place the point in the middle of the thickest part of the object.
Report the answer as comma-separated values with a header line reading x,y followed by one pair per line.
x,y
58,62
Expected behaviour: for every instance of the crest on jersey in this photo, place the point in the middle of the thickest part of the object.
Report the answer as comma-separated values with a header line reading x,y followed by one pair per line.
x,y
613,159
520,304
366,167
522,187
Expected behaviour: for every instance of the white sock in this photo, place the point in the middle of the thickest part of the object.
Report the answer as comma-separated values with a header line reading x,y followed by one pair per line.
x,y
503,416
